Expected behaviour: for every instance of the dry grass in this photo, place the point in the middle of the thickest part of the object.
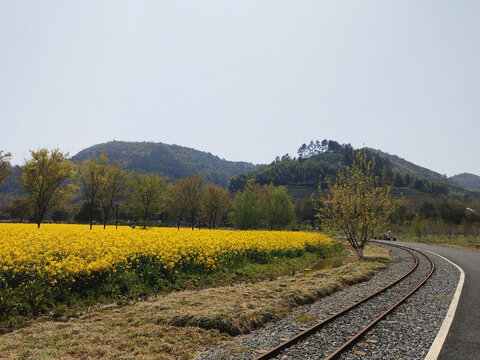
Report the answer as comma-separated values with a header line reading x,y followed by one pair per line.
x,y
178,325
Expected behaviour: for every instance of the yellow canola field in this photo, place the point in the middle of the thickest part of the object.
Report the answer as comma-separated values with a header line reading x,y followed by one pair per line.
x,y
58,251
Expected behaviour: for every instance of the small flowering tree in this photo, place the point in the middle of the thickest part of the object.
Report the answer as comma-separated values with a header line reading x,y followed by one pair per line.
x,y
357,203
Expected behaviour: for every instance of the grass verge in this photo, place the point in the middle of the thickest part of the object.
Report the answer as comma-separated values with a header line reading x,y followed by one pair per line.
x,y
464,242
179,324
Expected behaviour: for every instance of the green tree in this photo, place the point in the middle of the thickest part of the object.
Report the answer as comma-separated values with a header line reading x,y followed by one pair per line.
x,y
276,207
88,213
91,174
305,211
357,203
112,188
174,203
428,211
146,195
191,194
246,211
216,203
4,165
43,177
61,215
21,209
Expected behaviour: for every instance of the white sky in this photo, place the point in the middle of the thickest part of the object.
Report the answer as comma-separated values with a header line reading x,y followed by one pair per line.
x,y
245,80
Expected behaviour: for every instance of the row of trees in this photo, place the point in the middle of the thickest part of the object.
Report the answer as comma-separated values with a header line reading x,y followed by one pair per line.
x,y
449,212
51,183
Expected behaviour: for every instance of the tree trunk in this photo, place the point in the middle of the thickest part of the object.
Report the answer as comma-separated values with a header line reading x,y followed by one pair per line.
x,y
106,214
359,251
145,220
91,216
40,215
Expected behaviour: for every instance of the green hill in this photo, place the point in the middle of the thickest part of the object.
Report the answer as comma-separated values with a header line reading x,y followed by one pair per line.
x,y
12,184
456,185
173,161
302,176
406,167
469,181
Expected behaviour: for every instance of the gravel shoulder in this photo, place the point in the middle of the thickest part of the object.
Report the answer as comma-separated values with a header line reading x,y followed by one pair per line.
x,y
405,334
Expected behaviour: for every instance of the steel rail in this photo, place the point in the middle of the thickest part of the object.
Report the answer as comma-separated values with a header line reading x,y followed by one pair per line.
x,y
354,339
308,332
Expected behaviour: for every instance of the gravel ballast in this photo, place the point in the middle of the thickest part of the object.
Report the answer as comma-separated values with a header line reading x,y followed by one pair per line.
x,y
407,333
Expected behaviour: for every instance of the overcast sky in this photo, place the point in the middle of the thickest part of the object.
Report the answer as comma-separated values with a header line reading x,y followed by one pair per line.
x,y
244,80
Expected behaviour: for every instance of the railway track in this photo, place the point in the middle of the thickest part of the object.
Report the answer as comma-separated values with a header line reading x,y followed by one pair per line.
x,y
339,332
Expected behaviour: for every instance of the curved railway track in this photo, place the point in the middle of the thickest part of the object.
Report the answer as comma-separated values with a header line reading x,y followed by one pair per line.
x,y
337,343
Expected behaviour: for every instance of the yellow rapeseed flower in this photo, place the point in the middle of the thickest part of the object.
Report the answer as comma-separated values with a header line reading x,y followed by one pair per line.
x,y
57,251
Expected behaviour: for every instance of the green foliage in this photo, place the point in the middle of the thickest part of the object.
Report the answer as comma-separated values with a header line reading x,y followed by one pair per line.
x,y
88,213
416,228
428,211
43,177
146,195
305,212
60,215
276,207
21,209
451,213
266,207
246,210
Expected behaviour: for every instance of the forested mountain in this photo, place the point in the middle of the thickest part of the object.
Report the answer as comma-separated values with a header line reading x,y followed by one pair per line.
x,y
12,184
316,162
322,160
170,160
406,167
469,181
